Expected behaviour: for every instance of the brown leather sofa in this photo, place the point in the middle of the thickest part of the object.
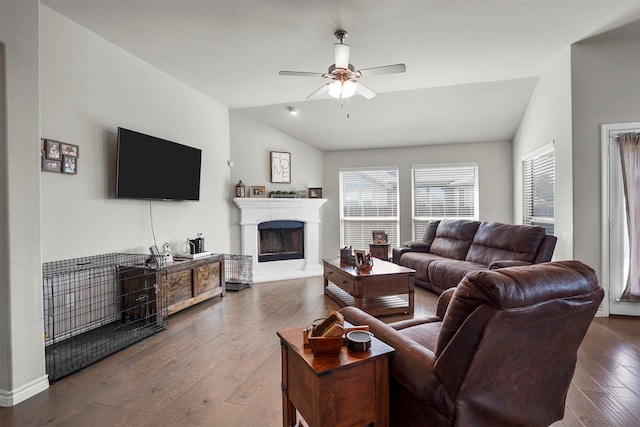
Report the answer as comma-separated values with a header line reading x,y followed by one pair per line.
x,y
452,248
501,350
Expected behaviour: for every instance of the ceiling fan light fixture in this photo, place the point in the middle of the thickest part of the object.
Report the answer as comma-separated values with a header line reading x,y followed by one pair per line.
x,y
341,90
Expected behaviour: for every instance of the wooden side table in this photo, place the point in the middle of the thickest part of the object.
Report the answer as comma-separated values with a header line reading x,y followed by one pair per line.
x,y
379,250
346,390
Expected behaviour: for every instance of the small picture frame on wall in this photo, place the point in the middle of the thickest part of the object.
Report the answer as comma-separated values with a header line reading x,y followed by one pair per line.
x,y
51,165
280,164
69,149
315,193
257,191
69,164
52,150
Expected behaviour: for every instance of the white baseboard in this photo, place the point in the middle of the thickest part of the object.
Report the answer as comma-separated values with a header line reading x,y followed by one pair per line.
x,y
13,397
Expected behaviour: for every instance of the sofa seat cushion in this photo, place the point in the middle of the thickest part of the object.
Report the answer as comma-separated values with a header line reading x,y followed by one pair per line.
x,y
496,242
453,238
425,334
419,262
447,273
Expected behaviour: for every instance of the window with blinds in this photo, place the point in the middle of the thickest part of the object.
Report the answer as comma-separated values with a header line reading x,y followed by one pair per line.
x,y
539,190
443,191
368,201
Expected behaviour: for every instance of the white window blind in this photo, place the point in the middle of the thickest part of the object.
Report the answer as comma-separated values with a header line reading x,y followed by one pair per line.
x,y
368,201
539,190
443,191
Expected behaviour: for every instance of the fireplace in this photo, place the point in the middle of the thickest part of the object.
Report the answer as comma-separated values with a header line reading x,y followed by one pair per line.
x,y
280,240
304,212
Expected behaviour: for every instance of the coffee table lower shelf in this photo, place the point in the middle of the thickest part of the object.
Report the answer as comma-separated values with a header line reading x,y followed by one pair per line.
x,y
376,306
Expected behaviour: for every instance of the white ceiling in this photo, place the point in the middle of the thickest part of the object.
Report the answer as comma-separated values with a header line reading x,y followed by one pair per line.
x,y
471,65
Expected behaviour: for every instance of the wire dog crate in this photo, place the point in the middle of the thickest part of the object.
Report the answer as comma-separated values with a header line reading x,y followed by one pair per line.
x,y
95,306
238,272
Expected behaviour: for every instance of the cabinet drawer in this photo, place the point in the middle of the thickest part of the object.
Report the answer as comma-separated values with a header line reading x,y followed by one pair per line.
x,y
341,280
179,286
206,278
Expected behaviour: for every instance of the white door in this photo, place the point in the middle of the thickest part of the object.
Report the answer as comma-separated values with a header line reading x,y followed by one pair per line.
x,y
615,244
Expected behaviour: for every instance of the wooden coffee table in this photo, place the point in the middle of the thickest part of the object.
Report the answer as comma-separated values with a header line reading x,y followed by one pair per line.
x,y
386,289
351,389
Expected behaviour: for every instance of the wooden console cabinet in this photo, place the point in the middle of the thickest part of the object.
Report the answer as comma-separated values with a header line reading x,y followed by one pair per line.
x,y
181,284
189,282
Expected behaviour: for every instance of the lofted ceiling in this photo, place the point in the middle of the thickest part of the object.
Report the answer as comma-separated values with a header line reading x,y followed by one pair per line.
x,y
471,65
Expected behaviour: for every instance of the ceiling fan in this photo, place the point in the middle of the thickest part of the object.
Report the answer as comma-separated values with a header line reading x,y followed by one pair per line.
x,y
344,77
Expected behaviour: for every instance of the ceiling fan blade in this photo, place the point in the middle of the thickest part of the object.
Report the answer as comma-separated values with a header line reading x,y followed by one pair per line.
x,y
365,91
323,89
342,55
300,73
385,69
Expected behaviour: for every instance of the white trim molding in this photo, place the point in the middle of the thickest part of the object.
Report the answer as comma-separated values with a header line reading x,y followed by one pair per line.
x,y
13,397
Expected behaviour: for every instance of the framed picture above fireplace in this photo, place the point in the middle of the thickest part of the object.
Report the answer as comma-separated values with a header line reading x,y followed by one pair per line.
x,y
280,163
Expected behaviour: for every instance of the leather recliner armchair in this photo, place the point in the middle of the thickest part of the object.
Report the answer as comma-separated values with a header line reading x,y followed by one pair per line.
x,y
501,350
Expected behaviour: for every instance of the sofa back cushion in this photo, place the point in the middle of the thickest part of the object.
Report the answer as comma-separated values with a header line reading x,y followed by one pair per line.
x,y
454,237
514,288
430,232
496,242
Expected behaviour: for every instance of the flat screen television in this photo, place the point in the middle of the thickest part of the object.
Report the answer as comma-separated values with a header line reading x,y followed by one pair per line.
x,y
153,168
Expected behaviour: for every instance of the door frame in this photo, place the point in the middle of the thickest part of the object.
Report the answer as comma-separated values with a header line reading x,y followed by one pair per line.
x,y
610,305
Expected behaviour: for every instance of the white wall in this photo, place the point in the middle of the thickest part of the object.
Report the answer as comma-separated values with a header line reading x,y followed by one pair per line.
x,y
251,142
22,372
89,87
494,169
546,120
605,77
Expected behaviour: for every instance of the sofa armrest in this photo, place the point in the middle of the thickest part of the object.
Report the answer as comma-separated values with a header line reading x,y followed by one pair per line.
x,y
507,263
443,302
413,364
380,330
413,367
419,245
409,323
397,252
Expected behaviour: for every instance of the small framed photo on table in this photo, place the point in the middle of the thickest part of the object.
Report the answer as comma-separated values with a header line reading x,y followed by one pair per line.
x,y
358,257
379,236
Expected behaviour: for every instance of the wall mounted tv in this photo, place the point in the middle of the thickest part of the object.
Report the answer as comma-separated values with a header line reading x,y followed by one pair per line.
x,y
157,169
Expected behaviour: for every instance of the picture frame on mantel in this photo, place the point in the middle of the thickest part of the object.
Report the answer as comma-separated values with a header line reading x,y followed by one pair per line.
x,y
257,191
280,165
315,193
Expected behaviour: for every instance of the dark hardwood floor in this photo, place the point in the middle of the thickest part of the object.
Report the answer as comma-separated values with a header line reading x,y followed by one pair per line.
x,y
218,364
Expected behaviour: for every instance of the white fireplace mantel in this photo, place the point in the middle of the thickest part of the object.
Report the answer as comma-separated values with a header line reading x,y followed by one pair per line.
x,y
254,211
